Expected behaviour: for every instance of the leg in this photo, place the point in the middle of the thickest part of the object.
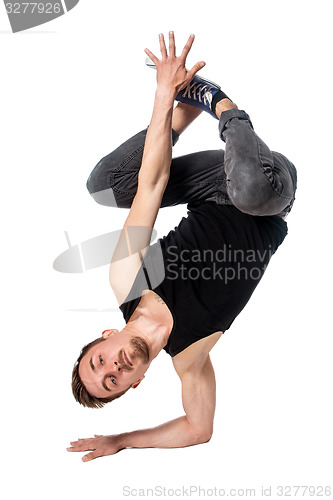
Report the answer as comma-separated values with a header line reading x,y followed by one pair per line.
x,y
259,181
113,182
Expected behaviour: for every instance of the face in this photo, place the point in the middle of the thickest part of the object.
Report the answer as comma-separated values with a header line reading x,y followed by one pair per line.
x,y
116,363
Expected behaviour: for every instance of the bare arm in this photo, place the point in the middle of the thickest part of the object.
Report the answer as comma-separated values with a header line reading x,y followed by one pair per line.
x,y
155,168
152,181
195,427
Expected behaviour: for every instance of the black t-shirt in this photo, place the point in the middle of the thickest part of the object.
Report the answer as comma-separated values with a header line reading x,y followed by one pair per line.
x,y
212,262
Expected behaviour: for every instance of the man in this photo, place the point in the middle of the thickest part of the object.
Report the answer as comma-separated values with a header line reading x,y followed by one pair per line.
x,y
211,262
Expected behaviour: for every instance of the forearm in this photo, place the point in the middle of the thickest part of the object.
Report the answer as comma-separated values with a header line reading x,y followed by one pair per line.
x,y
157,152
173,434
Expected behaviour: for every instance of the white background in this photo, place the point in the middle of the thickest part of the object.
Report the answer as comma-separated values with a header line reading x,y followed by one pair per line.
x,y
73,90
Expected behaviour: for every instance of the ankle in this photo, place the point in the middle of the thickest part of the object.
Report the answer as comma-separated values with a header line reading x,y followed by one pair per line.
x,y
224,105
183,116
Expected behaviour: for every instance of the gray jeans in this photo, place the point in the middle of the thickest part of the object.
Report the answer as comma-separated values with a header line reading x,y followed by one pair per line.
x,y
247,174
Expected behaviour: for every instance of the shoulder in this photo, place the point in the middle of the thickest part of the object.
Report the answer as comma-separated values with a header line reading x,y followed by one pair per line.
x,y
193,359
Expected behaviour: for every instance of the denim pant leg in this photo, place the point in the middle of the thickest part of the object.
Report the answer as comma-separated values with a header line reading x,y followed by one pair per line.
x,y
259,181
193,177
113,181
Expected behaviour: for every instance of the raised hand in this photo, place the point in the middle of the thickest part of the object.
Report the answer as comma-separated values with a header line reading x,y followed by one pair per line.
x,y
171,72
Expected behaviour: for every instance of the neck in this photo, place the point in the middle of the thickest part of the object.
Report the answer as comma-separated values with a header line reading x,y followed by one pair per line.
x,y
154,328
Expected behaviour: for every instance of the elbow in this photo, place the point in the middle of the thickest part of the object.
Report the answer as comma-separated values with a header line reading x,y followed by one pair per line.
x,y
202,436
206,437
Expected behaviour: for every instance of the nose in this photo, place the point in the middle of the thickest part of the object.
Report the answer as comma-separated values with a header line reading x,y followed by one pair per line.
x,y
117,366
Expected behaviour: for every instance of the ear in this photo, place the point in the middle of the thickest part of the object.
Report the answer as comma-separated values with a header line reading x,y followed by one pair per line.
x,y
107,333
134,386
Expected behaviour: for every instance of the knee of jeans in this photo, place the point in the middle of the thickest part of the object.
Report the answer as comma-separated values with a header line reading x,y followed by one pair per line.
x,y
253,199
96,179
90,184
104,197
112,189
99,187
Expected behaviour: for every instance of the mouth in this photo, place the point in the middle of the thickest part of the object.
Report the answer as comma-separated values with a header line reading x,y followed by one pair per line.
x,y
127,359
141,349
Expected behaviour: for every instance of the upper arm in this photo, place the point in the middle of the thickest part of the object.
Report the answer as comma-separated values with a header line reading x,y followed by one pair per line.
x,y
135,238
199,397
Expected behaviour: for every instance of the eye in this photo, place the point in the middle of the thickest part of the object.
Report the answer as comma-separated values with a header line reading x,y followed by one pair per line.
x,y
101,360
113,380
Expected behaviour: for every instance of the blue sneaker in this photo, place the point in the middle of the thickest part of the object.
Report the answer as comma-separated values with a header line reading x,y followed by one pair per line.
x,y
199,92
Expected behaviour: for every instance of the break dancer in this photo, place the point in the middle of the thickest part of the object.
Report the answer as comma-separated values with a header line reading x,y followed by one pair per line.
x,y
183,292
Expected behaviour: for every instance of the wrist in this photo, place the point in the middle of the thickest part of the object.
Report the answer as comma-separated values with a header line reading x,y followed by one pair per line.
x,y
165,95
133,439
122,441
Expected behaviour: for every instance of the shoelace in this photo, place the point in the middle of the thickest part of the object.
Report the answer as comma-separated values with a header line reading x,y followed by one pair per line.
x,y
200,92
